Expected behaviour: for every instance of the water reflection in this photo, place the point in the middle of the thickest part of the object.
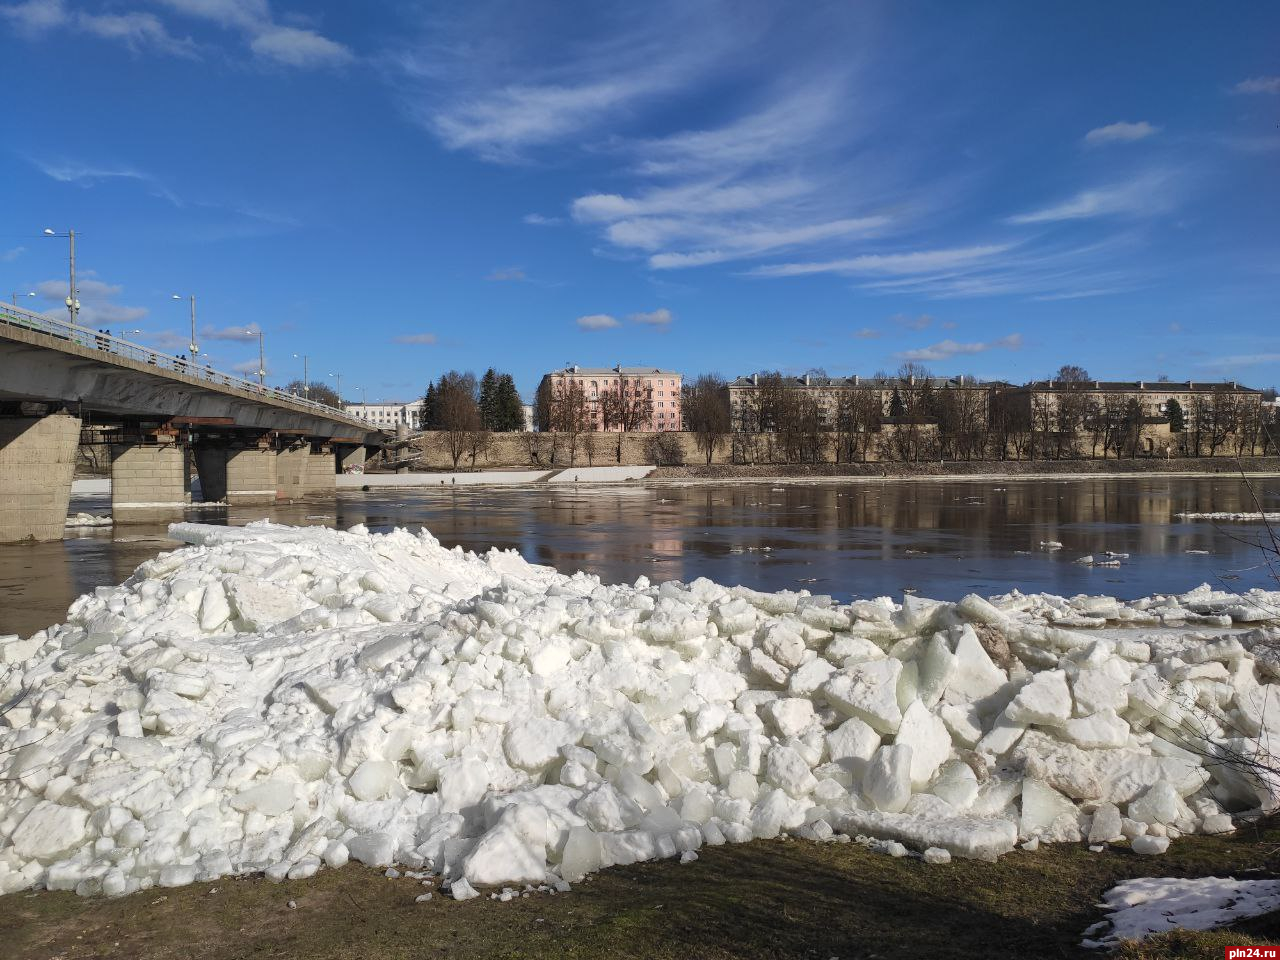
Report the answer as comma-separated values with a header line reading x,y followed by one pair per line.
x,y
941,538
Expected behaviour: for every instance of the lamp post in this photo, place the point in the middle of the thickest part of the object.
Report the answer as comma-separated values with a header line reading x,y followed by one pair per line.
x,y
195,348
306,377
73,302
262,364
16,295
338,377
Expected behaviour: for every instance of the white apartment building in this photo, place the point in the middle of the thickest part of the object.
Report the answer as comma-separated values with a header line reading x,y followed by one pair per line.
x,y
387,415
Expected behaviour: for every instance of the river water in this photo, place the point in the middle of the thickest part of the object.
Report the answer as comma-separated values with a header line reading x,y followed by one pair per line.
x,y
940,538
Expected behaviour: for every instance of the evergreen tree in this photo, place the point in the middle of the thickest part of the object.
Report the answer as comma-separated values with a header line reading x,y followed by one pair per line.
x,y
489,400
509,415
1177,419
429,416
896,407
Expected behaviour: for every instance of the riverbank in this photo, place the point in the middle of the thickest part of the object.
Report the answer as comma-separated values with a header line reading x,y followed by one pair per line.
x,y
976,469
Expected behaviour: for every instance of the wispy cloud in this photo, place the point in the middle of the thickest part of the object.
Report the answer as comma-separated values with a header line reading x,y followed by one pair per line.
x,y
420,339
946,349
270,41
136,30
867,333
921,322
241,334
87,175
296,47
249,368
538,220
1122,132
915,262
1143,195
507,274
1241,360
1259,85
661,318
597,321
12,254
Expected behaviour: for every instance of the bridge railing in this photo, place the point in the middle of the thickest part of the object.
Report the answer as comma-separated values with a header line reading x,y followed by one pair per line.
x,y
13,316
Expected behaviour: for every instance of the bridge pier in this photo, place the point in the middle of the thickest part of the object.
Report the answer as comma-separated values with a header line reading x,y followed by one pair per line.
x,y
237,475
149,481
291,470
320,479
349,456
37,460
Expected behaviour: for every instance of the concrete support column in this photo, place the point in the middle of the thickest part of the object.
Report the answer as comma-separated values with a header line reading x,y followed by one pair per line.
x,y
348,456
211,466
291,472
148,481
251,475
320,481
37,460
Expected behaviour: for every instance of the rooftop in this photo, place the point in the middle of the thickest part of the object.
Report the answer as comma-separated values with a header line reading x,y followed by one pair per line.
x,y
1128,386
885,383
605,371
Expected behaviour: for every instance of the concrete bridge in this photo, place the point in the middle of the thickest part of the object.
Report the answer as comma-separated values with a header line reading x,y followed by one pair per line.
x,y
159,415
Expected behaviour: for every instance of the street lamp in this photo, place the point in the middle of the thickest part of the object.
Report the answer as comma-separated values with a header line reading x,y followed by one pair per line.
x,y
195,349
16,295
306,377
262,364
338,376
73,302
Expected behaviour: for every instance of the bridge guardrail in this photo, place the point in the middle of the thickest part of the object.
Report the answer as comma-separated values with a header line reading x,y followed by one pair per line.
x,y
14,316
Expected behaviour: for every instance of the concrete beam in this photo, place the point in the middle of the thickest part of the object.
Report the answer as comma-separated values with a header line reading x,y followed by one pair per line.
x,y
148,481
37,461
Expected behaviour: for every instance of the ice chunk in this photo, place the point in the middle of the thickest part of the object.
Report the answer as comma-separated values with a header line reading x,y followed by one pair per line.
x,y
49,831
868,691
928,739
1046,699
887,781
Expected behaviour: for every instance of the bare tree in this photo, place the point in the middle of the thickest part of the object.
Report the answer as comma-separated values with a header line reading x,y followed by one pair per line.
x,y
706,411
458,413
1070,373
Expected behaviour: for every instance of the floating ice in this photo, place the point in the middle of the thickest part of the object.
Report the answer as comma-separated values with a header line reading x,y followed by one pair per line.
x,y
274,699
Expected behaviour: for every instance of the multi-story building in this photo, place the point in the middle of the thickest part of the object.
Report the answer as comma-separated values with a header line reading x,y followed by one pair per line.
x,y
1152,396
648,396
745,392
388,415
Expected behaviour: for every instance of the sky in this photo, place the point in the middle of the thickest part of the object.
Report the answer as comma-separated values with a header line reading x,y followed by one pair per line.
x,y
396,189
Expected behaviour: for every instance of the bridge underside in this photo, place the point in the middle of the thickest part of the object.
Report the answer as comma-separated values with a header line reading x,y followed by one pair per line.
x,y
157,426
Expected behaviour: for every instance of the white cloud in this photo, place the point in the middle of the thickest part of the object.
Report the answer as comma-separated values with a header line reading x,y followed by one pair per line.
x,y
923,261
597,321
36,16
296,47
12,254
1122,132
1259,85
248,368
499,274
136,30
421,339
1147,194
226,13
96,306
241,334
538,220
661,317
946,349
921,322
866,333
85,175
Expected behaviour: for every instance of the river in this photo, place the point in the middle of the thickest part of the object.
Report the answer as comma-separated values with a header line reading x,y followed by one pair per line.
x,y
939,538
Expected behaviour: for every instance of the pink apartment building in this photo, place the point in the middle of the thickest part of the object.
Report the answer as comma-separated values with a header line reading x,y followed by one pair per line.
x,y
662,386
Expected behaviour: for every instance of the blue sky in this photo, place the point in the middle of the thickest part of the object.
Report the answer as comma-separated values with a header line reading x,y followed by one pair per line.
x,y
396,189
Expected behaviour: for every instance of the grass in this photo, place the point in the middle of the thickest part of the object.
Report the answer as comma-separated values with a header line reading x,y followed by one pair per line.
x,y
767,899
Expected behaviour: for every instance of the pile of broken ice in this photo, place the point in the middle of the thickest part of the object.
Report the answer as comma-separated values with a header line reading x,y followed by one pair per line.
x,y
275,699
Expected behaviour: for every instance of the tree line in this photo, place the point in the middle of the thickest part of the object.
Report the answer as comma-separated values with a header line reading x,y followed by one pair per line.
x,y
463,414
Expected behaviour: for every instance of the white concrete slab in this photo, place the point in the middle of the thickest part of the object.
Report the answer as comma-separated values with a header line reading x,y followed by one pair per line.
x,y
601,474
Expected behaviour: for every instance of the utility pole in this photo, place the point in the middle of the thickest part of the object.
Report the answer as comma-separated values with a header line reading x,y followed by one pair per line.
x,y
195,350
73,303
262,366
